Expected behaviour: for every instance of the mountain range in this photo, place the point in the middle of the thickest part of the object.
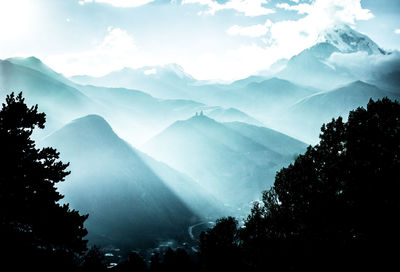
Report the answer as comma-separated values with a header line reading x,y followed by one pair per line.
x,y
235,161
210,148
131,198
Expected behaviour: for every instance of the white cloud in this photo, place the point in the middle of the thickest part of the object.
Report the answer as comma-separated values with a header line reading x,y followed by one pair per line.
x,y
397,31
247,7
115,51
250,31
367,67
287,38
345,11
320,15
119,3
15,19
300,8
152,71
234,64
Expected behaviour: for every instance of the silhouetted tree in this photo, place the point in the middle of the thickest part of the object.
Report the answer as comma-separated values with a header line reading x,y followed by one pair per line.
x,y
134,263
35,230
177,260
155,263
336,206
219,246
94,260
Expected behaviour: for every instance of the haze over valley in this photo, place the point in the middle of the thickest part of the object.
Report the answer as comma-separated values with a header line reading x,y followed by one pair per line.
x,y
156,152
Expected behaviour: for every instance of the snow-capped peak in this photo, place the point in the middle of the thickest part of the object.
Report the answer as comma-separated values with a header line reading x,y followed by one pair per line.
x,y
348,40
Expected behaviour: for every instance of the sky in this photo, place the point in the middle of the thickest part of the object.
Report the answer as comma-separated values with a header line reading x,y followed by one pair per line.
x,y
210,39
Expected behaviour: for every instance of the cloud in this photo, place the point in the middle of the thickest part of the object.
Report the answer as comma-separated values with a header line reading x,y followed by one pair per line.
x,y
397,31
344,11
152,71
319,16
119,3
250,31
115,51
367,67
250,8
287,38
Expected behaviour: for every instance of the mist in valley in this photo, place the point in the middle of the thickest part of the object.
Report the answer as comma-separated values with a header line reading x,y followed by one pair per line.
x,y
157,156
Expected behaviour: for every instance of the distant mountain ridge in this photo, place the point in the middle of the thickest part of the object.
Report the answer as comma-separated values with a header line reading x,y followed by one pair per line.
x,y
232,165
166,81
211,147
64,100
310,113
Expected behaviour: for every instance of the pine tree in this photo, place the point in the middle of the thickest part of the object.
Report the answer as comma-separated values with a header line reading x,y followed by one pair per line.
x,y
35,229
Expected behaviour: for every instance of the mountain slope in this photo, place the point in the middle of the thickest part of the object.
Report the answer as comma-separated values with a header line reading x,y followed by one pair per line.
x,y
59,101
147,115
265,99
234,167
276,88
347,40
311,67
134,114
36,64
230,115
169,81
128,201
272,139
307,116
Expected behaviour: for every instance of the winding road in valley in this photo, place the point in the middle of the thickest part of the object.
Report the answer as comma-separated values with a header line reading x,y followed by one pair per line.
x,y
190,229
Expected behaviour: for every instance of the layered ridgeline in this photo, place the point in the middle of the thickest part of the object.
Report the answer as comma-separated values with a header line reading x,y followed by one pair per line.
x,y
42,86
268,98
255,95
311,67
169,81
326,66
306,117
231,161
137,116
63,100
234,161
132,199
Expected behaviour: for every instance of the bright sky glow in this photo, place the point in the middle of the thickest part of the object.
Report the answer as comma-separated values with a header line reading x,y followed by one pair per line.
x,y
15,18
210,39
119,3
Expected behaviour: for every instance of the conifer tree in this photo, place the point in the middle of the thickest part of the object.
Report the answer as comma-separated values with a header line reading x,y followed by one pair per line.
x,y
36,230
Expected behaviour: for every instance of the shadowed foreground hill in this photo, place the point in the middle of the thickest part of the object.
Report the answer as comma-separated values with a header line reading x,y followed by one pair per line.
x,y
129,204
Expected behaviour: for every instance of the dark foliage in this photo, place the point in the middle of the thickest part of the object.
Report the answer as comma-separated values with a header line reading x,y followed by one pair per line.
x,y
94,260
35,230
134,263
219,246
335,208
178,261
